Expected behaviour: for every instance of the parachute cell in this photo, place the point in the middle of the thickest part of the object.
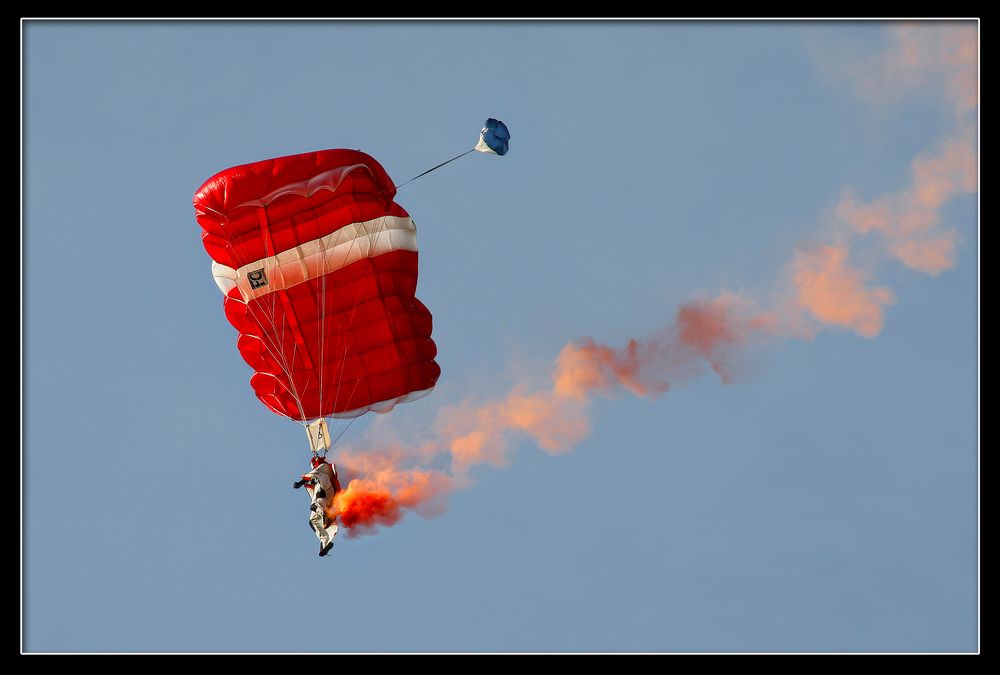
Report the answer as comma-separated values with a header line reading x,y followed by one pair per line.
x,y
318,266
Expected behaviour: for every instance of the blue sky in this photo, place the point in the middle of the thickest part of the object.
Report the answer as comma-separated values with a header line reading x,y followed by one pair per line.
x,y
827,500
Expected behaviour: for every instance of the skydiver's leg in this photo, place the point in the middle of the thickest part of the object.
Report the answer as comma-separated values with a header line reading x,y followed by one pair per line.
x,y
318,521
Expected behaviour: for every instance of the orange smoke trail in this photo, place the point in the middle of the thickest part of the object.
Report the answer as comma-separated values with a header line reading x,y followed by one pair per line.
x,y
586,366
384,490
702,331
907,224
835,293
479,433
909,221
365,506
824,286
383,487
919,55
555,416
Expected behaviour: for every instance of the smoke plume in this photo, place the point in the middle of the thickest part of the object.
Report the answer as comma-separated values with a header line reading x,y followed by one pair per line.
x,y
823,286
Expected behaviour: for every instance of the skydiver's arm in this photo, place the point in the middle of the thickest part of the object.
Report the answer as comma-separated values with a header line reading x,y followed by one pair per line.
x,y
306,478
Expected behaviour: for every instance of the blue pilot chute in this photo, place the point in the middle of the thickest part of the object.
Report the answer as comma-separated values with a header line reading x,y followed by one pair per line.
x,y
494,138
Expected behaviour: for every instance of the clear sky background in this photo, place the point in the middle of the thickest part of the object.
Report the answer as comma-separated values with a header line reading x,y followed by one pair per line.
x,y
824,500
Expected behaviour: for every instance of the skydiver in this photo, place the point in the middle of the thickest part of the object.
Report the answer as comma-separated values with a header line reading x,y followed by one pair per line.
x,y
322,484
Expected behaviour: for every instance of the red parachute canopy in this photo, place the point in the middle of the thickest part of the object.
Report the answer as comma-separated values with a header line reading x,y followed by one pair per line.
x,y
318,266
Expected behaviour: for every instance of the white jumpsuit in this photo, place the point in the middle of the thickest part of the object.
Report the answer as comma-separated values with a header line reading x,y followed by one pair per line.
x,y
321,490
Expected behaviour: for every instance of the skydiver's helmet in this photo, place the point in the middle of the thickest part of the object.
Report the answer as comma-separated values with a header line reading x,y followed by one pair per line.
x,y
316,461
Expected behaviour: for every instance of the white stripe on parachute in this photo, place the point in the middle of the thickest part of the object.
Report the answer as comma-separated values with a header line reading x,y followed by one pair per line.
x,y
321,256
